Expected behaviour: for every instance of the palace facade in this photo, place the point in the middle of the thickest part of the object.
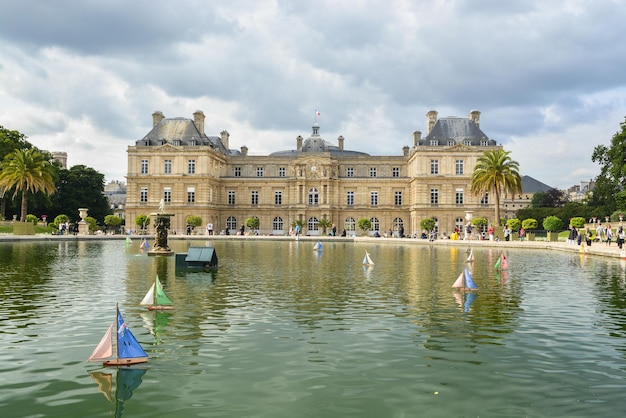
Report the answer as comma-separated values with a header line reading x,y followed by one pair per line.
x,y
193,173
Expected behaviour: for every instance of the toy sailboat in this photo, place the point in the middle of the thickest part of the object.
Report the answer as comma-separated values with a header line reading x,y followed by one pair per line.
x,y
156,299
470,257
318,246
465,281
367,260
128,349
144,245
502,263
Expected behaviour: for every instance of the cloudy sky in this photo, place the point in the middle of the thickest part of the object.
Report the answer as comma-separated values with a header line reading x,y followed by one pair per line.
x,y
549,77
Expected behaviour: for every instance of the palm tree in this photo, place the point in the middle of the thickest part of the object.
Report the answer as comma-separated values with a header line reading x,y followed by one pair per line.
x,y
26,170
324,223
496,172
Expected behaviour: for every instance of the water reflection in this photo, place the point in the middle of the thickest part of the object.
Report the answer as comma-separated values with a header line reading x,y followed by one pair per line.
x,y
126,381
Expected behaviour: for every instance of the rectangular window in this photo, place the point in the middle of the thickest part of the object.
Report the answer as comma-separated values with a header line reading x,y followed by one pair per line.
x,y
231,197
434,166
398,198
144,166
254,197
167,194
191,194
237,172
395,172
350,172
374,198
434,196
282,172
459,167
459,197
191,166
434,142
278,197
373,172
484,201
143,195
167,167
259,171
350,198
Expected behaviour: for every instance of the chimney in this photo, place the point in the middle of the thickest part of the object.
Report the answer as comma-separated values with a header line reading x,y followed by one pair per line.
x,y
224,135
244,150
340,142
198,120
157,117
475,117
431,119
417,136
405,150
299,142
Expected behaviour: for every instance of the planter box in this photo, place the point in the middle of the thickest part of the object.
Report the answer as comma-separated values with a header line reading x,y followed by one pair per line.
x,y
530,236
23,228
553,236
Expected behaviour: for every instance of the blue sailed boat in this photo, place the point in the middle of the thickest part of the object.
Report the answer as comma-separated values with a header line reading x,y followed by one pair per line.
x,y
465,281
127,349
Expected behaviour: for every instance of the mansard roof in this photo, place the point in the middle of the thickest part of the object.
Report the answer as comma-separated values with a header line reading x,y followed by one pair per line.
x,y
460,130
181,132
316,144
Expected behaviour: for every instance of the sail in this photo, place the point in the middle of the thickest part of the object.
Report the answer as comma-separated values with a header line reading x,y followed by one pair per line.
x,y
469,281
104,349
318,246
459,281
497,266
128,240
149,298
127,344
160,296
470,257
367,260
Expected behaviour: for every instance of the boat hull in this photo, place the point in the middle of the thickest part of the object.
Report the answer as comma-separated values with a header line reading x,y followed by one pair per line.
x,y
125,361
159,308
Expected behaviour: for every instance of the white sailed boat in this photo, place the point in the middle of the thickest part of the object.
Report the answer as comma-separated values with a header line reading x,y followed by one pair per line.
x,y
367,260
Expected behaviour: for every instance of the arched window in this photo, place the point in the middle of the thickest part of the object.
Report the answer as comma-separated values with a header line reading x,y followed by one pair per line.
x,y
350,224
231,222
314,196
312,224
436,225
375,224
277,225
397,223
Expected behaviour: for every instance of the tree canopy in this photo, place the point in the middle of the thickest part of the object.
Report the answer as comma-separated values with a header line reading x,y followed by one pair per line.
x,y
496,173
612,177
81,187
26,171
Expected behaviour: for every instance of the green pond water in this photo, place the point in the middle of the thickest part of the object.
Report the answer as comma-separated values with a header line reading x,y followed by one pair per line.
x,y
281,330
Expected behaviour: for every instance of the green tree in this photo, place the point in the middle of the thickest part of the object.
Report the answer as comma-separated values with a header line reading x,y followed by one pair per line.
x,y
577,222
529,224
112,221
81,187
93,223
480,222
193,220
253,223
10,141
24,171
514,224
551,199
427,224
364,224
498,174
552,224
324,223
612,177
141,221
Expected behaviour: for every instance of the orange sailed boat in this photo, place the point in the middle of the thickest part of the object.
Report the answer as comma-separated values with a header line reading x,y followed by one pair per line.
x,y
127,349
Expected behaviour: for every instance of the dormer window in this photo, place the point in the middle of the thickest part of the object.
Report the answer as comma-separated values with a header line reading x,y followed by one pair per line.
x,y
484,142
450,142
177,142
434,142
467,142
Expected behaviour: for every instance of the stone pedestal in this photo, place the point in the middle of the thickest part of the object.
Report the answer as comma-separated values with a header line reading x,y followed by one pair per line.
x,y
83,226
161,226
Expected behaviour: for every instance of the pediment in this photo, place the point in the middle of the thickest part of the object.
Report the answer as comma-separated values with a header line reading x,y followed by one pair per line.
x,y
167,148
459,147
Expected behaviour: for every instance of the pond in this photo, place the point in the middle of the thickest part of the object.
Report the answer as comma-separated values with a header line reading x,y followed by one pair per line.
x,y
281,330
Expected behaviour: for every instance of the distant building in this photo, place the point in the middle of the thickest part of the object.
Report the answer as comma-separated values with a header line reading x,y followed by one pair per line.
x,y
197,174
530,186
579,192
115,193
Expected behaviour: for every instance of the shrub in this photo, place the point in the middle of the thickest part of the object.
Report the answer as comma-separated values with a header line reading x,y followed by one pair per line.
x,y
480,222
364,224
529,224
577,222
427,224
253,222
193,220
32,218
552,224
514,224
